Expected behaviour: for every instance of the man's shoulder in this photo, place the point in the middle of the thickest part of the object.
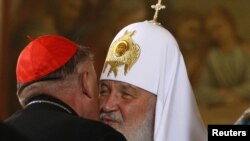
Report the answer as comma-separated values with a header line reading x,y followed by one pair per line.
x,y
86,128
8,133
89,124
64,126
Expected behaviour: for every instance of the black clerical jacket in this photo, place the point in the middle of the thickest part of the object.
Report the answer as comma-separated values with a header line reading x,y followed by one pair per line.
x,y
48,119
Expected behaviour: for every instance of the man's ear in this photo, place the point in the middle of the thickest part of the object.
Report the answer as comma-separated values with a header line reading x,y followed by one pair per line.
x,y
84,81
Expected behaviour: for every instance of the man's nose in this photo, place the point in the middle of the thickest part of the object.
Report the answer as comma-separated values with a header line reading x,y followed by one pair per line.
x,y
110,103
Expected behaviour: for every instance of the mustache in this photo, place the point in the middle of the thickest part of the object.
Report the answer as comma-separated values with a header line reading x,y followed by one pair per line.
x,y
111,116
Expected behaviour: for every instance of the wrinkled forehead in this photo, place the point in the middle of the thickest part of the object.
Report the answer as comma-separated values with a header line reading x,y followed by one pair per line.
x,y
118,83
122,85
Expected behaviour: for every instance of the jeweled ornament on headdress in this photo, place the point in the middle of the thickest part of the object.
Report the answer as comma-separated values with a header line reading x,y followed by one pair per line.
x,y
123,52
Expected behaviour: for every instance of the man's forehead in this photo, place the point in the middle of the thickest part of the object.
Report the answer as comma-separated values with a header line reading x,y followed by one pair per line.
x,y
119,83
122,84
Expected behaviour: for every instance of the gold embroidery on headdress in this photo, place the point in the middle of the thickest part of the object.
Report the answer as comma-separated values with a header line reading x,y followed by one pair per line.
x,y
124,51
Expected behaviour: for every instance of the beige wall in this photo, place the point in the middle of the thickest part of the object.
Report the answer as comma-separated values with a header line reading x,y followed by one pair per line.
x,y
239,8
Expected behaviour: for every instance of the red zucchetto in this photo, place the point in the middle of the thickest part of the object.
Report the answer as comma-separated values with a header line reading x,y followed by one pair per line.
x,y
43,56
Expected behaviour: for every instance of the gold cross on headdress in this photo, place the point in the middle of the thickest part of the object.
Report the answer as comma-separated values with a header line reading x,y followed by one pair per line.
x,y
157,8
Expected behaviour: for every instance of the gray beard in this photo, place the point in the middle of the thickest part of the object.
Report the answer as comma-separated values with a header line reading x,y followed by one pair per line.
x,y
142,131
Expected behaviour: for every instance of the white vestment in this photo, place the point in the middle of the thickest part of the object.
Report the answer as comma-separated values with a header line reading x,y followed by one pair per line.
x,y
160,69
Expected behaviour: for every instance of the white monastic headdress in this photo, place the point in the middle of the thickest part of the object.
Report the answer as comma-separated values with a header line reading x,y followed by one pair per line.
x,y
146,55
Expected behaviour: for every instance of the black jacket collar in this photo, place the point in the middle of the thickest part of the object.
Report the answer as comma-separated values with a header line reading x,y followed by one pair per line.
x,y
46,99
